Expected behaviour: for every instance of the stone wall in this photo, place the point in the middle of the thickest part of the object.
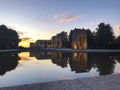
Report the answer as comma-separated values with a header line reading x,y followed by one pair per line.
x,y
79,39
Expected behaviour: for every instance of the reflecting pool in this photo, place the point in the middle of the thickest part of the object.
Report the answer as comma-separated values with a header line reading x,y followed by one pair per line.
x,y
32,67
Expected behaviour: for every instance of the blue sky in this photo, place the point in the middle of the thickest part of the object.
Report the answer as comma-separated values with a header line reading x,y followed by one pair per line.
x,y
40,19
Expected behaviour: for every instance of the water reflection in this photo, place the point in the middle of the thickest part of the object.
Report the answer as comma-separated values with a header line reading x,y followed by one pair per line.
x,y
56,57
78,62
105,64
36,67
8,62
81,62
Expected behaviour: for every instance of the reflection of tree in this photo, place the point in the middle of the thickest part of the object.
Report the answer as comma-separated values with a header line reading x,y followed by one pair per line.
x,y
91,61
60,59
104,63
78,62
8,62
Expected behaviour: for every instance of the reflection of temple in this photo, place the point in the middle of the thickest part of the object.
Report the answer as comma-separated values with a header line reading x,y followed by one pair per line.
x,y
79,39
8,62
40,55
78,62
56,57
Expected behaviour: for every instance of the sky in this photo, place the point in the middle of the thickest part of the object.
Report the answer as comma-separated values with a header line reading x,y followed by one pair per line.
x,y
41,19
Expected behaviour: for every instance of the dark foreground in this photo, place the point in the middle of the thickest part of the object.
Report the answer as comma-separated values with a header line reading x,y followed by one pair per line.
x,y
109,82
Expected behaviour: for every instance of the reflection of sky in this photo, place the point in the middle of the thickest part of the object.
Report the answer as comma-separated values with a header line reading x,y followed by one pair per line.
x,y
40,19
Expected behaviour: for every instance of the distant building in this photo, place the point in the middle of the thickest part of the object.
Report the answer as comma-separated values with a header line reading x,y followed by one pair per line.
x,y
78,39
56,41
32,45
44,44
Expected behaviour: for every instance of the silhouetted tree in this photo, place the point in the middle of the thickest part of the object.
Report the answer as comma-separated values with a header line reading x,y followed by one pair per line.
x,y
64,38
116,43
70,39
90,39
104,36
8,38
3,28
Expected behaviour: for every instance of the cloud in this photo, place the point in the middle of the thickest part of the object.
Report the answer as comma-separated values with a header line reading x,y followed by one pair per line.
x,y
69,18
60,15
10,27
25,39
116,27
42,21
20,33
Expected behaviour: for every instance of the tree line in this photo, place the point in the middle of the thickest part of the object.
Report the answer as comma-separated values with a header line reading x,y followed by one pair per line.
x,y
103,38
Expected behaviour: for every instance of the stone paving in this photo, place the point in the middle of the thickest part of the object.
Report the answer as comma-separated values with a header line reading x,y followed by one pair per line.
x,y
109,82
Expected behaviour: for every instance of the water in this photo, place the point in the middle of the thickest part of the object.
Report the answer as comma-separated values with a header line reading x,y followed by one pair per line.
x,y
32,67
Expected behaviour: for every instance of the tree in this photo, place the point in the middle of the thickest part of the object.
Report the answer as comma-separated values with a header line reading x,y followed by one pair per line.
x,y
90,39
8,38
70,39
64,38
104,36
3,28
116,43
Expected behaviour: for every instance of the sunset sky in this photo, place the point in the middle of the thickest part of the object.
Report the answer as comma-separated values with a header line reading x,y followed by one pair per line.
x,y
41,19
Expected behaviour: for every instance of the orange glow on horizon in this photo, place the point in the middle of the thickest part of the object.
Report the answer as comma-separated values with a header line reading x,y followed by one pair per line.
x,y
24,44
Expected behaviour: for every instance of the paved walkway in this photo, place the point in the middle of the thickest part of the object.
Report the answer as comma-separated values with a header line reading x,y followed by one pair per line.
x,y
110,82
77,50
8,50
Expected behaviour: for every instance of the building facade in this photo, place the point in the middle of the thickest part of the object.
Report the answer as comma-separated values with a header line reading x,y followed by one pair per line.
x,y
78,39
33,45
44,43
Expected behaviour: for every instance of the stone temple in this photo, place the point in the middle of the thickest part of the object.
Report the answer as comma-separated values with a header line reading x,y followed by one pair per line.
x,y
78,40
